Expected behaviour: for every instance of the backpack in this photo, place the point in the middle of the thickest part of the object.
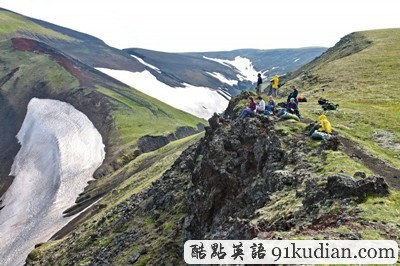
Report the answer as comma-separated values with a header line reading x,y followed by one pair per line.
x,y
301,99
322,101
329,106
282,104
320,135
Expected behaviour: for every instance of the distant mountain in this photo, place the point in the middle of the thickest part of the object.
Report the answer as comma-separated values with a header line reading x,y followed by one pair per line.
x,y
83,47
226,73
198,83
130,123
232,71
259,177
40,59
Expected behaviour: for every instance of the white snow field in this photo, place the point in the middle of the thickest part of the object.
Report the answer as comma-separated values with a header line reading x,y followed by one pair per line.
x,y
60,150
199,101
242,64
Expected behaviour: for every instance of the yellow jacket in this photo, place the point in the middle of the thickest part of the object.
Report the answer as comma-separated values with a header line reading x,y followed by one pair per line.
x,y
275,82
325,125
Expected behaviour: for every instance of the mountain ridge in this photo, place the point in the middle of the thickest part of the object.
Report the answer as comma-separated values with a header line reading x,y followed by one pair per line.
x,y
245,179
259,177
56,74
189,71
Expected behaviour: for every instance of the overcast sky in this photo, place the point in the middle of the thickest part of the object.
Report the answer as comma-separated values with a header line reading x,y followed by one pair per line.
x,y
213,25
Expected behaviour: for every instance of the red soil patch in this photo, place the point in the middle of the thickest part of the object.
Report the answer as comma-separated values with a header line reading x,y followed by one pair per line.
x,y
28,45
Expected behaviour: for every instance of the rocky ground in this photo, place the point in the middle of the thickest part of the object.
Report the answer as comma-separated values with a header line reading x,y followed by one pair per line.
x,y
260,177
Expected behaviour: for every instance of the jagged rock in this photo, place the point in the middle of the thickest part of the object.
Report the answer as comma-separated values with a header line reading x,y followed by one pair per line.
x,y
279,179
331,143
231,111
136,256
234,176
343,187
214,121
360,174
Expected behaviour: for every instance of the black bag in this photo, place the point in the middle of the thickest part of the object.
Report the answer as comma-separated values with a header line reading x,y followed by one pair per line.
x,y
329,106
282,104
322,101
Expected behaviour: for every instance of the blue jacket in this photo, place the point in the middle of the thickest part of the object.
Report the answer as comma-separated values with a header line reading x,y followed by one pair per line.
x,y
259,81
293,94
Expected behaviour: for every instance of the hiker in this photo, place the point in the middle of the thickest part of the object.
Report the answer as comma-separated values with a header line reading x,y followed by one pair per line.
x,y
293,94
271,104
259,82
274,86
322,126
250,110
293,108
261,105
325,124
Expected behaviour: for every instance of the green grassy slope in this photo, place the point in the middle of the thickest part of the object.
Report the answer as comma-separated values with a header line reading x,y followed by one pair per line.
x,y
361,74
122,115
13,25
105,222
135,114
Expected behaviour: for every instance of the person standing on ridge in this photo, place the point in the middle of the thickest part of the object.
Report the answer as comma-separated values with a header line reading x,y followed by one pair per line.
x,y
274,86
259,82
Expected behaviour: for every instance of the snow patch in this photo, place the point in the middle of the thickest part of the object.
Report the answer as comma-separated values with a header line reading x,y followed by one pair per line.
x,y
199,101
60,150
146,64
222,78
242,64
225,93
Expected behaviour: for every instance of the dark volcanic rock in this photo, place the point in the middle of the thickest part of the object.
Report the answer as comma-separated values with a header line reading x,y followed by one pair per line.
x,y
234,177
343,187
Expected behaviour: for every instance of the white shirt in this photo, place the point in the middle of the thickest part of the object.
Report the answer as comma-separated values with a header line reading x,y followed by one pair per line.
x,y
261,106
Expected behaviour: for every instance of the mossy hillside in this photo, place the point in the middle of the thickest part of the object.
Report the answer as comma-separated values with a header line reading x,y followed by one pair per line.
x,y
141,172
33,68
155,229
333,162
357,126
325,162
12,24
385,210
375,218
161,228
365,84
137,114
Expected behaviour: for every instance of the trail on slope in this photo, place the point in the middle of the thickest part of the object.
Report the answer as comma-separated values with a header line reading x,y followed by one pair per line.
x,y
375,164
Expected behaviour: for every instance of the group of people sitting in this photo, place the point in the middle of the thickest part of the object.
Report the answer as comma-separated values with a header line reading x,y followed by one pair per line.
x,y
269,108
321,129
260,107
292,103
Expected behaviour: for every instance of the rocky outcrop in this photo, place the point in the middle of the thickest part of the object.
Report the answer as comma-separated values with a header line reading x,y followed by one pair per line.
x,y
343,187
236,169
244,179
149,143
